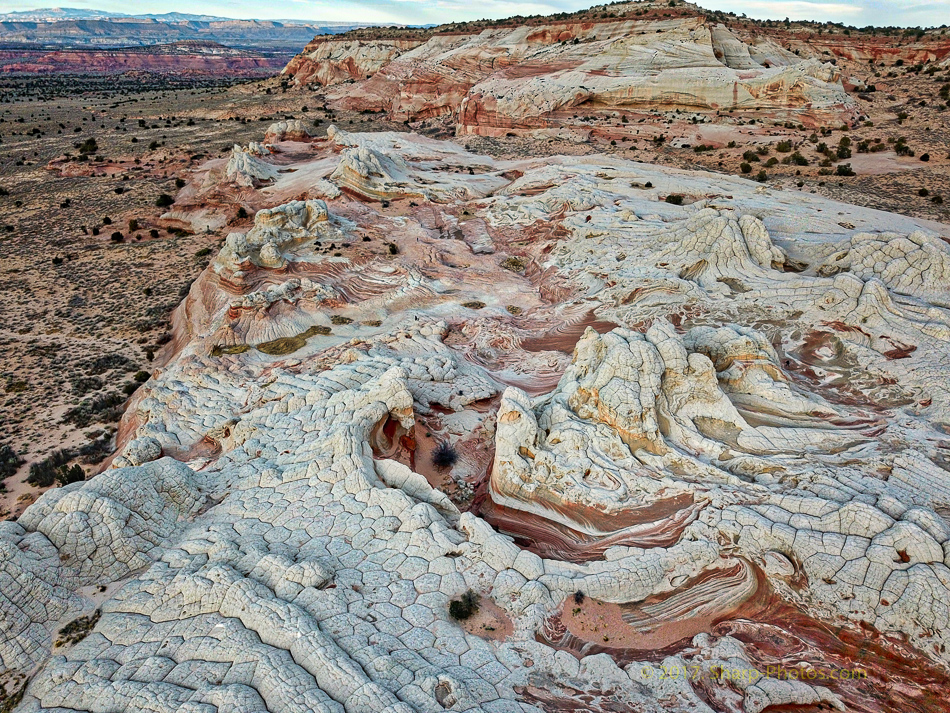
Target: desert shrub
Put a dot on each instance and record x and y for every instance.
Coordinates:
(179, 183)
(674, 199)
(41, 476)
(164, 200)
(579, 597)
(203, 252)
(117, 237)
(844, 169)
(923, 193)
(76, 630)
(784, 146)
(82, 385)
(798, 159)
(771, 162)
(761, 176)
(141, 376)
(464, 607)
(242, 213)
(44, 473)
(9, 461)
(750, 156)
(88, 146)
(745, 167)
(937, 200)
(102, 408)
(393, 249)
(133, 225)
(70, 474)
(444, 456)
(107, 362)
(925, 157)
(153, 233)
(96, 450)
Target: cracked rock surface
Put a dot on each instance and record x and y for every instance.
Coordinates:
(482, 435)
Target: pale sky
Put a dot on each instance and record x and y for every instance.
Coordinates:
(907, 13)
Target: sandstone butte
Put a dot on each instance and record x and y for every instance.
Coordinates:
(669, 457)
(494, 80)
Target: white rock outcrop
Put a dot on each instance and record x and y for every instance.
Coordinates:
(700, 428)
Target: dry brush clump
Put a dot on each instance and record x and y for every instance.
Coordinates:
(465, 607)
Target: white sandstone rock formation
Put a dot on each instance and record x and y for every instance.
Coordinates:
(246, 170)
(289, 130)
(701, 429)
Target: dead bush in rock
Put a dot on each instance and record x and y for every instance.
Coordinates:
(465, 607)
(444, 456)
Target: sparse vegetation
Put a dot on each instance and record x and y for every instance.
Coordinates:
(9, 461)
(444, 456)
(513, 263)
(76, 630)
(55, 468)
(465, 607)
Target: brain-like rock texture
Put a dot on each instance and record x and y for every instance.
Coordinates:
(524, 437)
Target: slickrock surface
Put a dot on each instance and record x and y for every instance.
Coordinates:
(664, 449)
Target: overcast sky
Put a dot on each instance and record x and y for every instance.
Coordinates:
(854, 12)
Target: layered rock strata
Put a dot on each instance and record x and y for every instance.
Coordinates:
(530, 78)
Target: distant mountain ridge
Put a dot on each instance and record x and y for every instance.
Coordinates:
(59, 14)
(95, 29)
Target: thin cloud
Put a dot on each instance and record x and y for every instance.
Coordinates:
(852, 12)
(798, 9)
